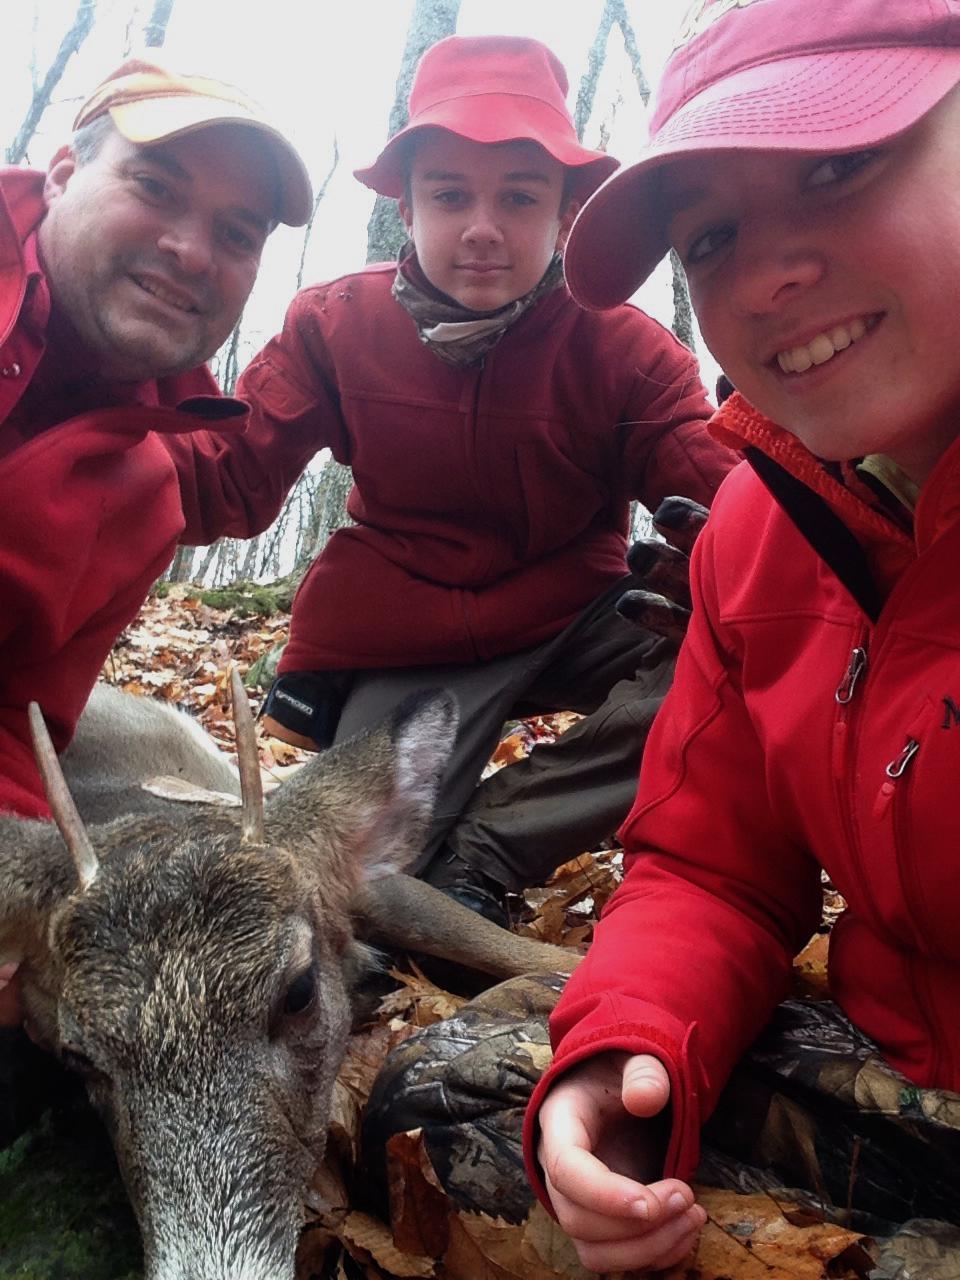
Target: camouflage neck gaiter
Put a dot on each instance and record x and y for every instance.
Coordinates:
(455, 334)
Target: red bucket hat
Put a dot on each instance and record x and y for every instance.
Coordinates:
(490, 89)
(769, 75)
(148, 103)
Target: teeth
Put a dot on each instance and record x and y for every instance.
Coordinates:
(822, 348)
(158, 291)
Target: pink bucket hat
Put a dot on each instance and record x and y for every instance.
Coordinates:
(491, 89)
(148, 103)
(773, 75)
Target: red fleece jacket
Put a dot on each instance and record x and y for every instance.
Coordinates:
(757, 774)
(98, 484)
(491, 502)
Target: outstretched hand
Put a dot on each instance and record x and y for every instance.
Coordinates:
(601, 1141)
(662, 604)
(11, 1011)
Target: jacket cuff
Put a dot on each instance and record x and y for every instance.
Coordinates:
(612, 1024)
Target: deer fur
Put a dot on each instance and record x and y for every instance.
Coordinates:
(201, 983)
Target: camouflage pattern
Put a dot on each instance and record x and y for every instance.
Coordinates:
(812, 1113)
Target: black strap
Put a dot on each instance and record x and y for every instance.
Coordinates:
(823, 529)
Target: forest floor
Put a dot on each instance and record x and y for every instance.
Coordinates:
(63, 1214)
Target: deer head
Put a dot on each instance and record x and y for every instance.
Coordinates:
(195, 968)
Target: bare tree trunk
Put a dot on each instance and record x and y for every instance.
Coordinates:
(71, 42)
(229, 370)
(155, 30)
(182, 565)
(430, 21)
(595, 60)
(308, 230)
(208, 558)
(682, 310)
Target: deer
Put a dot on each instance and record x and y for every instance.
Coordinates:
(195, 962)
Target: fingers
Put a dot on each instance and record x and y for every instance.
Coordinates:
(667, 1244)
(646, 1086)
(680, 520)
(662, 568)
(656, 613)
(11, 1013)
(662, 1225)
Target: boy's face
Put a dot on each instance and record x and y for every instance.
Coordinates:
(485, 218)
(826, 286)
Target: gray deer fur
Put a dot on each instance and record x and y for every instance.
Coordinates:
(202, 986)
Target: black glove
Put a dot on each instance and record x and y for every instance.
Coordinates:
(662, 604)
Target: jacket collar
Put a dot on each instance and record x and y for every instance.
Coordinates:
(21, 210)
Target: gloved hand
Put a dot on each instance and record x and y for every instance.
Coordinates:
(662, 604)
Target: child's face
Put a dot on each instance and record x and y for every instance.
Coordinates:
(485, 218)
(827, 286)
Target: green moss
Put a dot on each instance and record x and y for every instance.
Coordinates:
(64, 1214)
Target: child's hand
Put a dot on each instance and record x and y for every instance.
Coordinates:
(11, 1011)
(593, 1154)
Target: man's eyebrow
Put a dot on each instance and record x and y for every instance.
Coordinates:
(165, 161)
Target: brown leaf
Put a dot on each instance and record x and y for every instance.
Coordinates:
(419, 1209)
(748, 1238)
(810, 969)
(365, 1234)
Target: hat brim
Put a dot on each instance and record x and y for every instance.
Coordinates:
(491, 118)
(817, 103)
(156, 119)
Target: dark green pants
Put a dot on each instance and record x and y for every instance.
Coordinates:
(566, 797)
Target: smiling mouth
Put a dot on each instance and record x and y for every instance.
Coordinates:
(822, 348)
(162, 294)
(482, 268)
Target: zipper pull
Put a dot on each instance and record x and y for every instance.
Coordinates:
(896, 768)
(855, 669)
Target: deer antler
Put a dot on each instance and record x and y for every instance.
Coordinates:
(251, 787)
(64, 811)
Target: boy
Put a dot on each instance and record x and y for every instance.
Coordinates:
(803, 163)
(496, 433)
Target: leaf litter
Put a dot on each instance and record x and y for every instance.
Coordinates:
(179, 649)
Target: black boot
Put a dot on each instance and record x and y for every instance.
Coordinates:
(468, 886)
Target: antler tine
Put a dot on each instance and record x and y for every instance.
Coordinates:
(251, 787)
(61, 801)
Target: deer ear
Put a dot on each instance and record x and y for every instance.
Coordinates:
(372, 796)
(37, 876)
(422, 732)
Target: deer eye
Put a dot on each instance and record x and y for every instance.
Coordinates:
(74, 1060)
(301, 992)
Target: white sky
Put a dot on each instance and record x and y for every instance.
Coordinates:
(324, 68)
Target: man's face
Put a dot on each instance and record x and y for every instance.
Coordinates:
(485, 218)
(151, 251)
(826, 286)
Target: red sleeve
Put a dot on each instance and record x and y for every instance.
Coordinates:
(694, 950)
(233, 482)
(666, 447)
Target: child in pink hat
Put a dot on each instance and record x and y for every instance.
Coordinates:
(496, 432)
(803, 161)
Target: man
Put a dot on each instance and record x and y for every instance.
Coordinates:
(124, 268)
